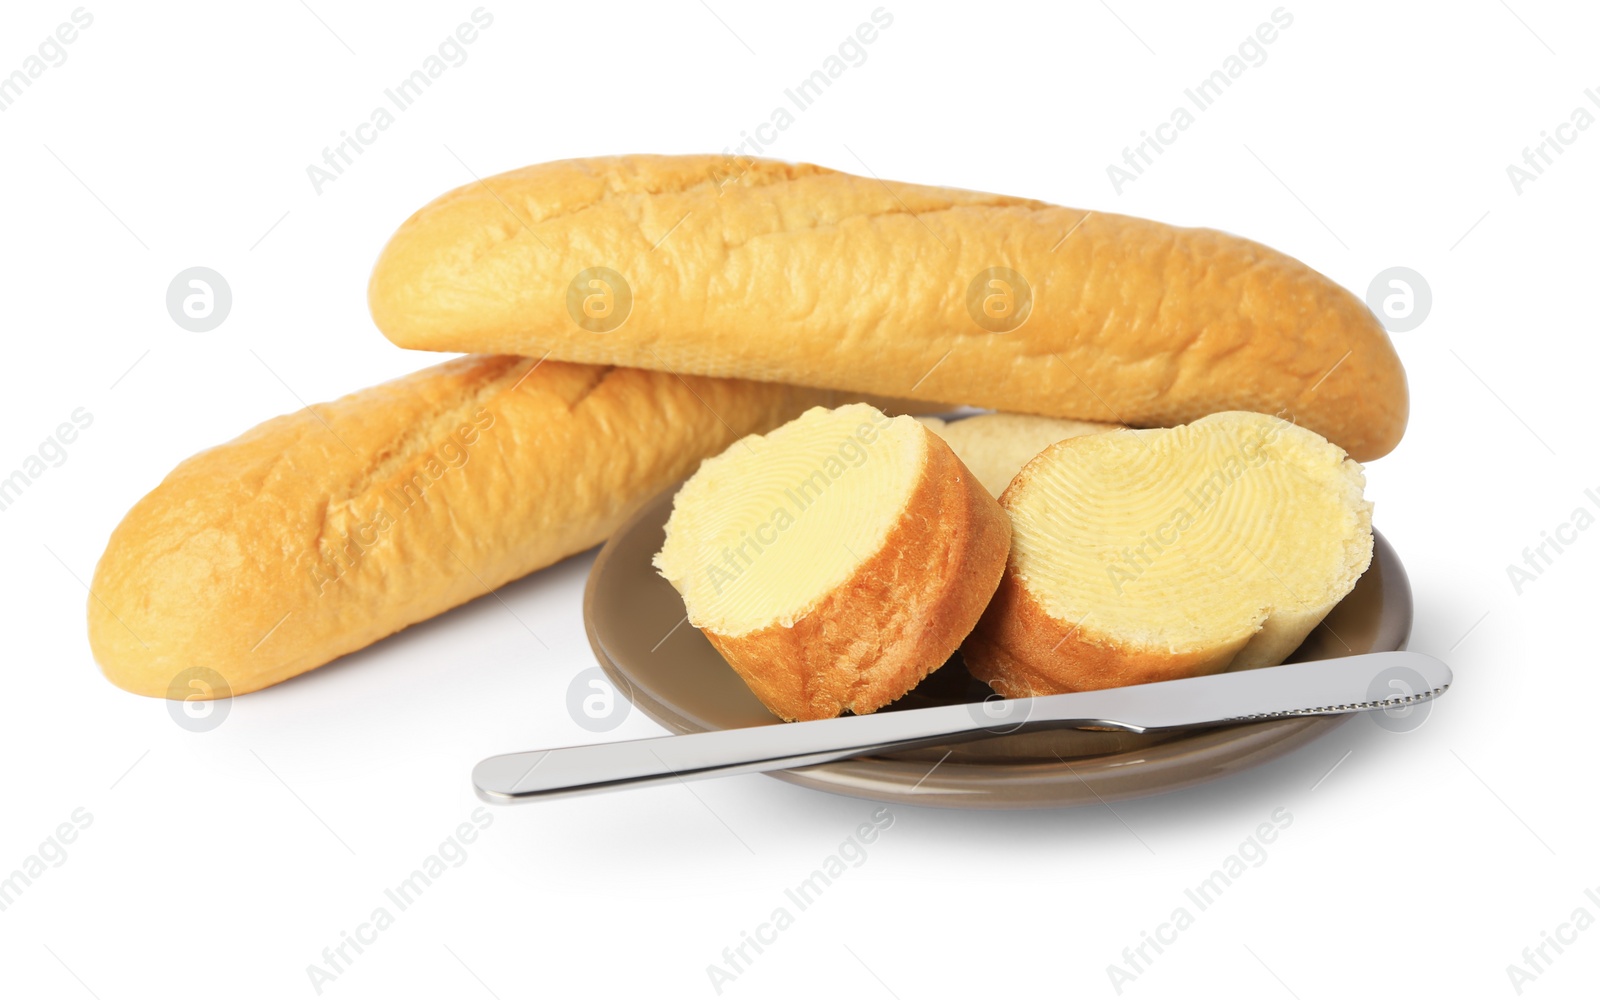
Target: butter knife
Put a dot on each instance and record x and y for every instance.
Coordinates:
(1364, 683)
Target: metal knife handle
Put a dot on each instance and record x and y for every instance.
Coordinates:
(534, 774)
(1325, 687)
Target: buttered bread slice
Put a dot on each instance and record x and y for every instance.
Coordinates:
(1149, 555)
(836, 561)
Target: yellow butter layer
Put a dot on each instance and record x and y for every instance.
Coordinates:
(1182, 537)
(776, 522)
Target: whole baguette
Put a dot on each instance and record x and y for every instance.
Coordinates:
(320, 532)
(795, 273)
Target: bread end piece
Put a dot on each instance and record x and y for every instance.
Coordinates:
(995, 446)
(315, 534)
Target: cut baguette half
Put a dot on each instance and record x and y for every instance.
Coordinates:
(1150, 555)
(995, 446)
(837, 561)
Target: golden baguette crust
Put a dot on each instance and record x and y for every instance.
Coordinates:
(908, 606)
(792, 272)
(320, 532)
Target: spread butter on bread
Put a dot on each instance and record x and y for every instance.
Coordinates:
(1155, 554)
(836, 561)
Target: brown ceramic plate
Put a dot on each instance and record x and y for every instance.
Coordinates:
(636, 626)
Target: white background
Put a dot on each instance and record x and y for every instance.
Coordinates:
(223, 863)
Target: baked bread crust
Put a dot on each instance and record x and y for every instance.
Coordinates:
(320, 532)
(1020, 651)
(898, 618)
(795, 273)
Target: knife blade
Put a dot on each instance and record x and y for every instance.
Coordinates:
(1368, 682)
